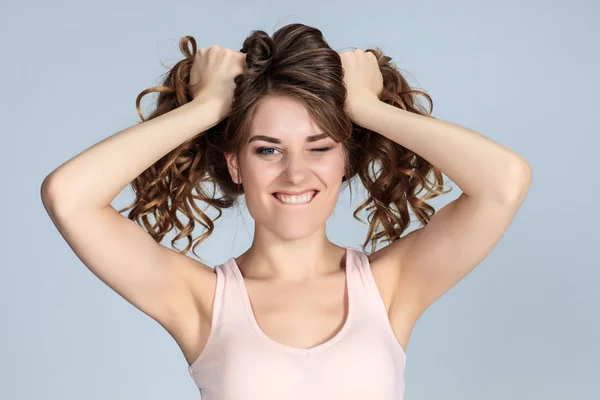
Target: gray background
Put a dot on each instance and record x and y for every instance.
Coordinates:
(523, 325)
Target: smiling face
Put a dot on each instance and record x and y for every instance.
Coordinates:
(287, 152)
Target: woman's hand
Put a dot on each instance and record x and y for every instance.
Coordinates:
(212, 74)
(363, 80)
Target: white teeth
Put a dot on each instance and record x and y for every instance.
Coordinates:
(305, 198)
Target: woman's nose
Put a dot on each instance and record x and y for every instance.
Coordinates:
(296, 166)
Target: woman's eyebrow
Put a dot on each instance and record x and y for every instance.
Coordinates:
(270, 139)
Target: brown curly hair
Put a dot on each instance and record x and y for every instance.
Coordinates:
(295, 61)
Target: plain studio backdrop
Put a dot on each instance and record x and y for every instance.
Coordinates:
(523, 325)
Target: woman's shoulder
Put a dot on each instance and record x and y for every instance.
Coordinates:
(202, 281)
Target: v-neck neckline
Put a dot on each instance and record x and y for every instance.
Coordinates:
(299, 350)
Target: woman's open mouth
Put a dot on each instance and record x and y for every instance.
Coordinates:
(305, 198)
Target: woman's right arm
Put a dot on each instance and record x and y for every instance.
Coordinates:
(173, 289)
(93, 178)
(150, 276)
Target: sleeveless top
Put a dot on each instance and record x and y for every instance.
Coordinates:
(240, 362)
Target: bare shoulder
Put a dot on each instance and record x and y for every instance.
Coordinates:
(190, 323)
(386, 265)
(386, 273)
(201, 280)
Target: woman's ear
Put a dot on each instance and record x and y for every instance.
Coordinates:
(233, 167)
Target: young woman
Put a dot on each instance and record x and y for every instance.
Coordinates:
(287, 123)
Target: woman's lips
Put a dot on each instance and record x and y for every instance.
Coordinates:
(316, 192)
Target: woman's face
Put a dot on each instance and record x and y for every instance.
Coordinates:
(288, 152)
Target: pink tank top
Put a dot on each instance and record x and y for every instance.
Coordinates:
(240, 362)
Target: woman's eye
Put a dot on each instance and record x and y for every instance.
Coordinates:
(262, 149)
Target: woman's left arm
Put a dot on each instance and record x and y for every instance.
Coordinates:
(494, 181)
(482, 168)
